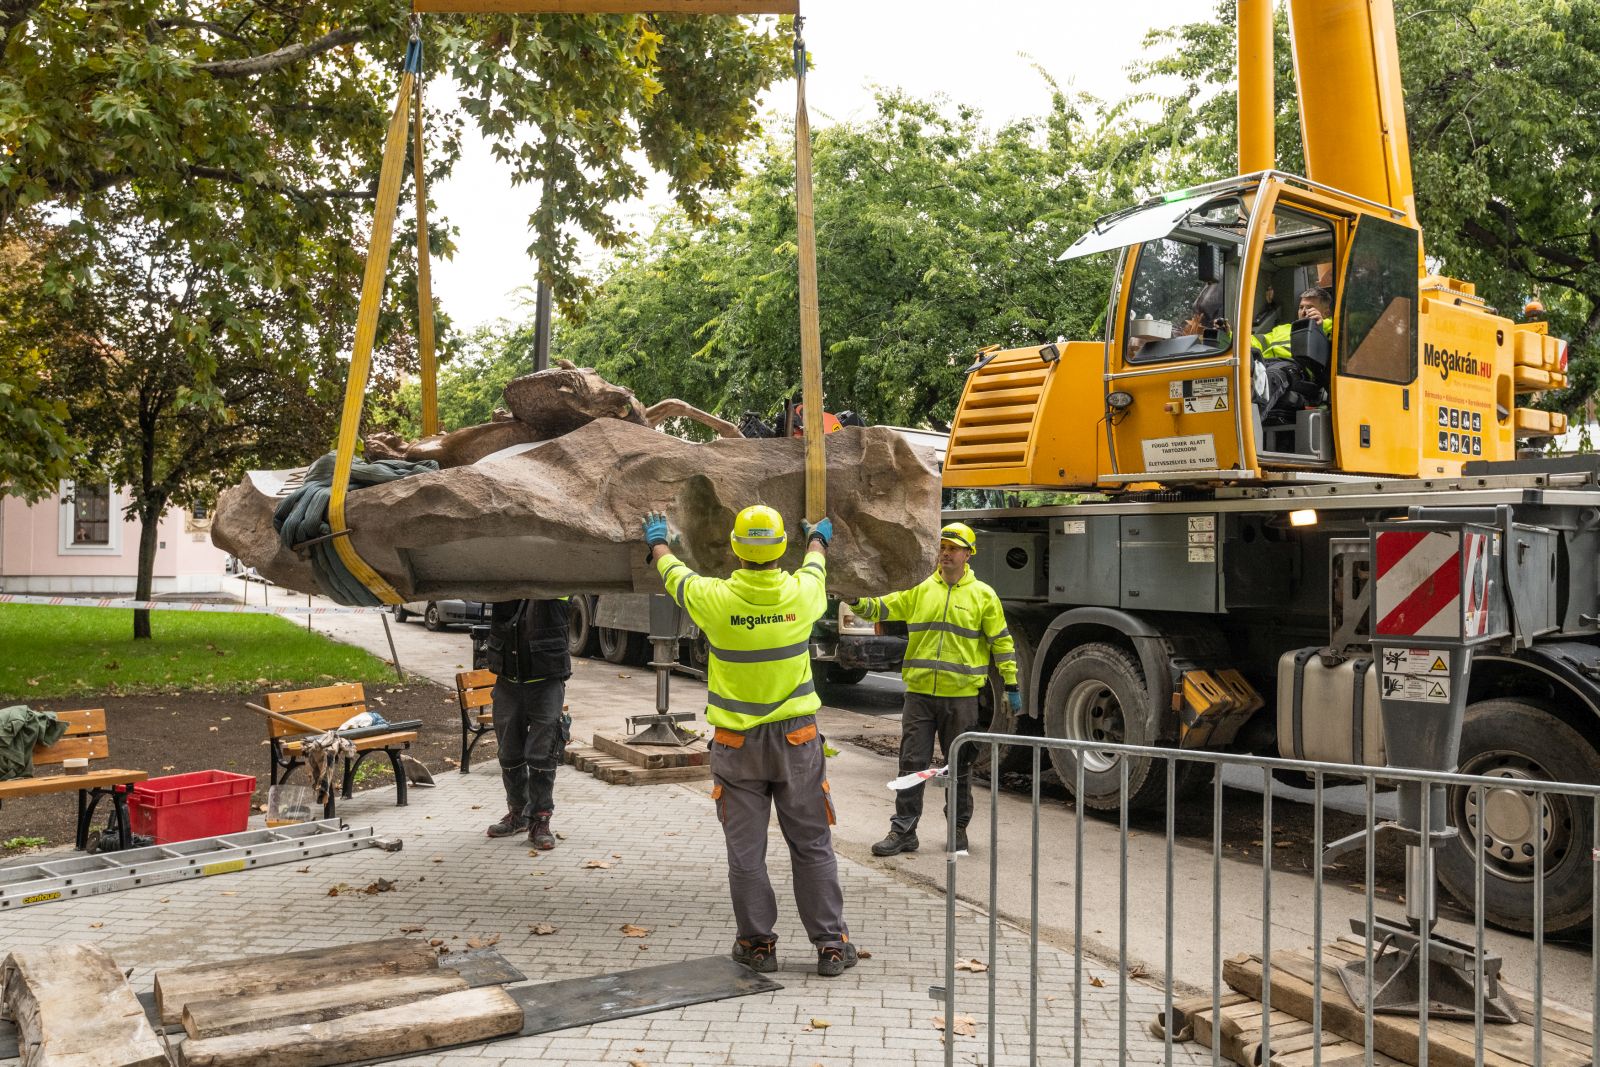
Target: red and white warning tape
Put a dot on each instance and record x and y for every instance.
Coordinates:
(174, 605)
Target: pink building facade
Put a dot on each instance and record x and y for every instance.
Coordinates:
(77, 543)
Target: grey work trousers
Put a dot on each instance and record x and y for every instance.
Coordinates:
(527, 725)
(922, 718)
(780, 765)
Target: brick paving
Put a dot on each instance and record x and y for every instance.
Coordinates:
(666, 872)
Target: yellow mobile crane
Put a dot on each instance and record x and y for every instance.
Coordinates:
(1416, 377)
(1213, 588)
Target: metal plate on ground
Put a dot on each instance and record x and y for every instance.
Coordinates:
(582, 1001)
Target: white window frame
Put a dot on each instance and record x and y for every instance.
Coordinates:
(113, 545)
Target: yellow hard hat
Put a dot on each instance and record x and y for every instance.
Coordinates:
(758, 534)
(959, 533)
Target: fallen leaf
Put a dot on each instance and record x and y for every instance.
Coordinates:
(96, 926)
(438, 859)
(382, 885)
(225, 718)
(1097, 983)
(965, 1025)
(560, 836)
(637, 1063)
(435, 942)
(624, 676)
(863, 954)
(229, 893)
(544, 930)
(1137, 971)
(335, 890)
(630, 930)
(976, 966)
(302, 870)
(820, 1024)
(259, 807)
(600, 865)
(483, 942)
(670, 833)
(411, 928)
(171, 766)
(213, 729)
(1283, 844)
(616, 855)
(165, 899)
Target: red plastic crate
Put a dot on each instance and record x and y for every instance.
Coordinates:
(182, 807)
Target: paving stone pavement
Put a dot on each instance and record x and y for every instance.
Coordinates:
(666, 872)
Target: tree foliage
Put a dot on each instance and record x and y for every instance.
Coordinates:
(35, 451)
(934, 237)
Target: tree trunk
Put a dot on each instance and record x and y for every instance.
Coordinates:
(149, 529)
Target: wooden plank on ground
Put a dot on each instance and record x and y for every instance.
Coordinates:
(74, 1008)
(282, 973)
(694, 754)
(437, 1022)
(630, 775)
(233, 1015)
(1450, 1042)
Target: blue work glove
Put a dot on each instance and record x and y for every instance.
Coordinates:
(1014, 698)
(822, 531)
(655, 529)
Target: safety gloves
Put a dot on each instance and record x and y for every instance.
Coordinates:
(822, 531)
(1014, 698)
(655, 529)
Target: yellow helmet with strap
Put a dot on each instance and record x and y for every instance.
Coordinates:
(758, 534)
(959, 533)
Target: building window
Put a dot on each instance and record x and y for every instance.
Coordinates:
(90, 522)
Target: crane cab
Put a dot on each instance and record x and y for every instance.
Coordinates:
(1209, 374)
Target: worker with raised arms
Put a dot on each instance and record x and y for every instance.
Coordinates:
(956, 629)
(766, 751)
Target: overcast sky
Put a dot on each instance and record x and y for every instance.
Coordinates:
(980, 54)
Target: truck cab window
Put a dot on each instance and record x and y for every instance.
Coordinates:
(1178, 304)
(1379, 311)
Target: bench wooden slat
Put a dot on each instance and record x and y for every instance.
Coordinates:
(61, 783)
(310, 699)
(324, 719)
(362, 743)
(475, 698)
(92, 747)
(88, 721)
(478, 679)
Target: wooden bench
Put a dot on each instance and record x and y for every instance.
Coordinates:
(86, 738)
(327, 708)
(474, 695)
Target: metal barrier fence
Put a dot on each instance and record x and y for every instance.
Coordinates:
(1134, 1035)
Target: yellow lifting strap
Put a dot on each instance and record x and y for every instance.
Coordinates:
(430, 362)
(810, 331)
(355, 390)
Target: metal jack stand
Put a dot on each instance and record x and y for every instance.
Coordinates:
(661, 728)
(1439, 591)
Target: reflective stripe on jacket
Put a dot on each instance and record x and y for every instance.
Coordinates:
(955, 633)
(757, 625)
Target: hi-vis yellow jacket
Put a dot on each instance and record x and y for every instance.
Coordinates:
(1274, 344)
(758, 626)
(955, 633)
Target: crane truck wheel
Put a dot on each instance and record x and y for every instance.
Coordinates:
(622, 647)
(1097, 693)
(1519, 741)
(431, 618)
(582, 639)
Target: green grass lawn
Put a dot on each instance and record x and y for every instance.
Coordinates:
(57, 652)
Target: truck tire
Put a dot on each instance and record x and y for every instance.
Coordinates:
(837, 675)
(431, 618)
(1097, 693)
(582, 639)
(622, 647)
(1518, 739)
(400, 613)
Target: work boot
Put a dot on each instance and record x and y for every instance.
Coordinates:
(539, 835)
(832, 962)
(961, 839)
(510, 824)
(757, 953)
(897, 843)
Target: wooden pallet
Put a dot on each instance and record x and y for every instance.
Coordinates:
(695, 754)
(614, 771)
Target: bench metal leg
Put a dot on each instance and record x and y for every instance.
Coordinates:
(85, 811)
(400, 782)
(475, 733)
(119, 810)
(347, 785)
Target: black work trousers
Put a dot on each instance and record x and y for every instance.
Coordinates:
(527, 725)
(922, 718)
